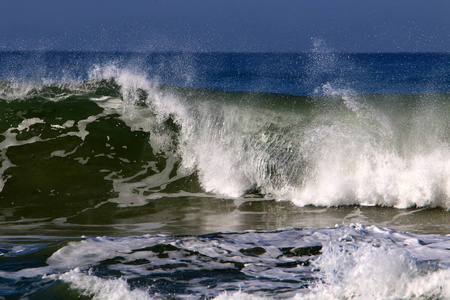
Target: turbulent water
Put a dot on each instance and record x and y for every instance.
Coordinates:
(227, 176)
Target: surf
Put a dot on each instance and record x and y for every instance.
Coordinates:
(182, 175)
(336, 148)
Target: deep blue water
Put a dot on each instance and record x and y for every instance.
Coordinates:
(291, 73)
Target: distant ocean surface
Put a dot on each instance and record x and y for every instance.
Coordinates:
(313, 175)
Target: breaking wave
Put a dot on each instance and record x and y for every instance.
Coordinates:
(336, 148)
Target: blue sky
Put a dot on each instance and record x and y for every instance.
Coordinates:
(226, 25)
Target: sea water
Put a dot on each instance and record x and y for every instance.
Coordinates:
(315, 175)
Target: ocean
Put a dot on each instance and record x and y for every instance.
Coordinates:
(316, 175)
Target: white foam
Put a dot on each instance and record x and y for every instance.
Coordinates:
(356, 262)
(134, 193)
(27, 123)
(17, 89)
(87, 252)
(390, 286)
(63, 153)
(381, 269)
(11, 140)
(5, 164)
(99, 288)
(131, 82)
(67, 124)
(238, 296)
(378, 271)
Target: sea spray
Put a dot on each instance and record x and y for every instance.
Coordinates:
(343, 149)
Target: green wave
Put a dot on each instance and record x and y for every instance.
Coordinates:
(72, 149)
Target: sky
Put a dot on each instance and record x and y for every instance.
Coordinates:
(226, 25)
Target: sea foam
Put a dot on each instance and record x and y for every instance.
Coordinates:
(345, 262)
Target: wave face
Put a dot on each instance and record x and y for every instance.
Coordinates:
(334, 149)
(198, 171)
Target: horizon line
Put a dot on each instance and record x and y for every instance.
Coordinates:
(212, 52)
